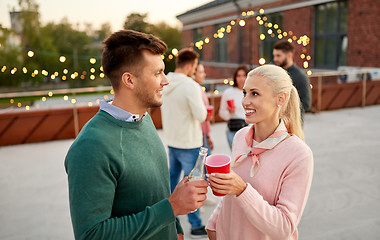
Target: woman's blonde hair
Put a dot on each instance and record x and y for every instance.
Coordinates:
(279, 80)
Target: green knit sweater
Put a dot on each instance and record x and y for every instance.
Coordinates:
(119, 181)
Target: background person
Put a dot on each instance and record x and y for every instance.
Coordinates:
(199, 77)
(272, 168)
(283, 53)
(234, 116)
(182, 112)
(117, 166)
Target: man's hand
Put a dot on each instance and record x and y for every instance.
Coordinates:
(188, 196)
(180, 236)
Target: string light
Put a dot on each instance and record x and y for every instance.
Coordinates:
(30, 54)
(262, 61)
(175, 51)
(276, 31)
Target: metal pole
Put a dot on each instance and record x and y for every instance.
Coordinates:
(319, 100)
(364, 90)
(76, 119)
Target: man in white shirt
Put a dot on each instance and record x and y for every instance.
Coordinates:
(182, 112)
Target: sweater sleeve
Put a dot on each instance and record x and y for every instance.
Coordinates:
(92, 186)
(195, 102)
(178, 226)
(280, 220)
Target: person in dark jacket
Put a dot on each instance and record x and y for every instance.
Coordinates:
(283, 53)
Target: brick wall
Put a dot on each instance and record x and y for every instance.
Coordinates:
(363, 33)
(363, 36)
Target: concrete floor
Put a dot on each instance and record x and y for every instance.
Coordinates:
(344, 201)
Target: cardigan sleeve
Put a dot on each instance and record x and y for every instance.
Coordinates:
(280, 220)
(211, 224)
(195, 101)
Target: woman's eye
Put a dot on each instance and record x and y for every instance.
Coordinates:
(255, 93)
(244, 93)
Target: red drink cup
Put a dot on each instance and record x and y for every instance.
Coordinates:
(210, 109)
(231, 103)
(218, 163)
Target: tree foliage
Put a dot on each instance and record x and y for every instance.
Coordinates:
(52, 40)
(170, 35)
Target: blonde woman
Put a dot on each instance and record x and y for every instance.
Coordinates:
(272, 167)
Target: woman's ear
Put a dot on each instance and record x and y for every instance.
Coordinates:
(127, 80)
(282, 98)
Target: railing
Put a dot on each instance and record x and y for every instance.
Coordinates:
(18, 125)
(320, 76)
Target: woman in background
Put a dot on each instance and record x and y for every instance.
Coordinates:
(272, 167)
(231, 109)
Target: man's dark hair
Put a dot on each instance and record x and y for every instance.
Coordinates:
(285, 46)
(123, 52)
(185, 56)
(241, 67)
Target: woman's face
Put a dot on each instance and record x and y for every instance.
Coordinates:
(240, 78)
(200, 74)
(259, 102)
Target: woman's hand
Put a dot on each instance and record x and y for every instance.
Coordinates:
(210, 143)
(231, 110)
(211, 234)
(227, 183)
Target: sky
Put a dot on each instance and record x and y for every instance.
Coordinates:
(98, 12)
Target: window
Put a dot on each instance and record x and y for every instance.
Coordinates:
(221, 45)
(330, 34)
(266, 44)
(197, 35)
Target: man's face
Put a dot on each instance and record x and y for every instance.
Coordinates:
(150, 81)
(280, 58)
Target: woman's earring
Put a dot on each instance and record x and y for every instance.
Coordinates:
(278, 105)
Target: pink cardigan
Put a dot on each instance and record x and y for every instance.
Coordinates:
(272, 204)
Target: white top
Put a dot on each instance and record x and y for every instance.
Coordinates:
(237, 95)
(182, 112)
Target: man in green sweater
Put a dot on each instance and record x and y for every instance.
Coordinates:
(117, 167)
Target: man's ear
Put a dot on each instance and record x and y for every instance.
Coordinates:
(128, 80)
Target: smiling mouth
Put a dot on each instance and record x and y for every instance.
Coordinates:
(249, 111)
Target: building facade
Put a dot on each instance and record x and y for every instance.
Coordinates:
(327, 34)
